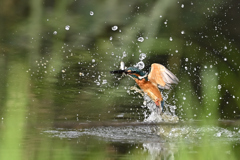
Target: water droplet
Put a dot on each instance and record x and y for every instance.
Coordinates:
(114, 28)
(93, 60)
(140, 65)
(122, 65)
(104, 81)
(184, 98)
(225, 59)
(142, 56)
(67, 27)
(182, 6)
(160, 16)
(110, 38)
(81, 74)
(91, 13)
(186, 59)
(55, 32)
(140, 39)
(124, 54)
(219, 86)
(182, 32)
(171, 39)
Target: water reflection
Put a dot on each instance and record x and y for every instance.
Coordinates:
(160, 150)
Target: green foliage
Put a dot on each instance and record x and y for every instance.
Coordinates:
(15, 110)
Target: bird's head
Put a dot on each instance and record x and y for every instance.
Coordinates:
(134, 72)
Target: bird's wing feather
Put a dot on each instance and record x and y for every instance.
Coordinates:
(159, 75)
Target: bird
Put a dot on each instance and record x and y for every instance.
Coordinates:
(159, 77)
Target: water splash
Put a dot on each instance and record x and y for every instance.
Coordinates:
(153, 113)
(150, 133)
(140, 65)
(142, 56)
(157, 140)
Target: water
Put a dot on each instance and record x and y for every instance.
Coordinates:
(155, 136)
(154, 139)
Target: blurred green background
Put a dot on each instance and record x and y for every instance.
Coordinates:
(55, 58)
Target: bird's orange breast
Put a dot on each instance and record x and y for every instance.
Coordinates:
(149, 88)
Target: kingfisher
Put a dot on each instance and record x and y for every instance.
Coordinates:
(159, 77)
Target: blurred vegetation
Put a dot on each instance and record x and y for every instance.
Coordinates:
(70, 52)
(55, 58)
